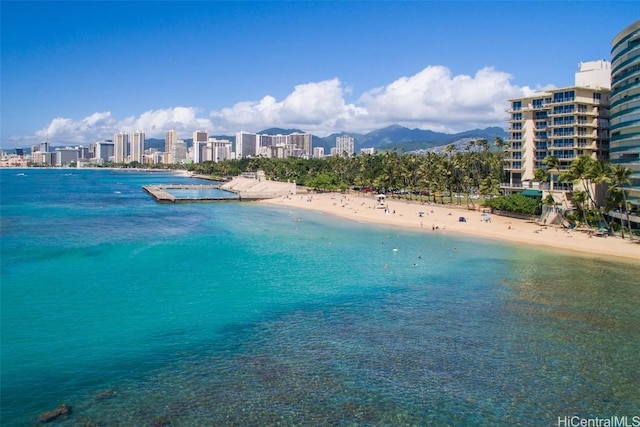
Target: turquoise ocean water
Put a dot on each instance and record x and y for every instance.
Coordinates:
(136, 313)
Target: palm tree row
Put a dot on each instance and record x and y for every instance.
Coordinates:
(588, 173)
(475, 170)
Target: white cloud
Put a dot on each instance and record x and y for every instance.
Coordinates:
(103, 126)
(156, 122)
(430, 99)
(436, 100)
(78, 131)
(312, 107)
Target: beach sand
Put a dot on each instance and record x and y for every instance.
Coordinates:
(362, 207)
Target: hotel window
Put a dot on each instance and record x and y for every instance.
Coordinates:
(563, 109)
(538, 103)
(563, 120)
(566, 96)
(516, 105)
(563, 132)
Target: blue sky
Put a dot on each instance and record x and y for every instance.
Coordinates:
(81, 71)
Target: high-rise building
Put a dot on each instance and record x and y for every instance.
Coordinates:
(170, 138)
(220, 149)
(624, 146)
(566, 123)
(301, 143)
(345, 145)
(200, 136)
(104, 151)
(83, 152)
(273, 146)
(137, 146)
(178, 152)
(121, 147)
(200, 153)
(65, 156)
(318, 152)
(246, 145)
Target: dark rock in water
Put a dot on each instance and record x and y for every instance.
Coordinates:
(161, 422)
(61, 410)
(105, 394)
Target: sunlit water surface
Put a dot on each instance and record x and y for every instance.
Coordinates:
(137, 313)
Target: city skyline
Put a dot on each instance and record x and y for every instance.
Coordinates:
(78, 72)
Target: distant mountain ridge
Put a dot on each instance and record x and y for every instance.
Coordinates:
(387, 138)
(400, 137)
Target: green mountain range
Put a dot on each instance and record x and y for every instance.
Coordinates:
(388, 138)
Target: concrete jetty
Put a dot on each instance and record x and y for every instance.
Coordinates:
(162, 196)
(246, 189)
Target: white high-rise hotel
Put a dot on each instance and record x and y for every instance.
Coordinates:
(137, 146)
(200, 139)
(344, 145)
(170, 139)
(120, 147)
(566, 123)
(128, 148)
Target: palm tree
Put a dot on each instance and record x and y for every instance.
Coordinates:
(621, 176)
(450, 148)
(586, 171)
(483, 144)
(540, 175)
(580, 199)
(499, 143)
(490, 186)
(552, 163)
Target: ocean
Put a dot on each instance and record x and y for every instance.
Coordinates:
(136, 313)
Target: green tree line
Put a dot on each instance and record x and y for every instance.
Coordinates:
(472, 171)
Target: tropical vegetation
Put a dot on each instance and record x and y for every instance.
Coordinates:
(588, 174)
(476, 170)
(448, 176)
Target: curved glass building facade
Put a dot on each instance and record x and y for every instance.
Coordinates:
(624, 144)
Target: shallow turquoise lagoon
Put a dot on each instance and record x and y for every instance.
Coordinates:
(137, 313)
(201, 193)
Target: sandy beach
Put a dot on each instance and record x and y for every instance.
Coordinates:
(437, 218)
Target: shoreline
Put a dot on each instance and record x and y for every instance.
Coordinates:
(438, 218)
